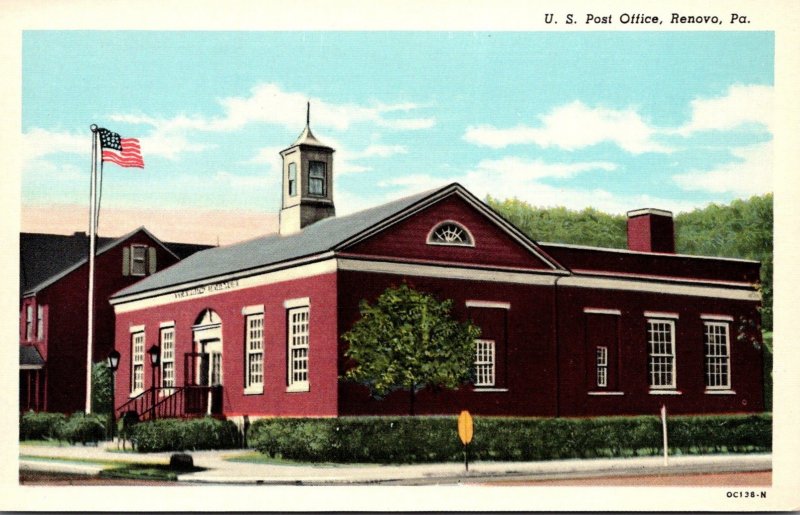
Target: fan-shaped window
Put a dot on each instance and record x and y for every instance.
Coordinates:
(450, 233)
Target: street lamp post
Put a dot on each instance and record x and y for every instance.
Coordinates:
(155, 355)
(113, 364)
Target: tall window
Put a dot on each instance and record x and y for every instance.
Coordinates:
(602, 366)
(254, 343)
(292, 179)
(484, 362)
(138, 260)
(137, 362)
(661, 340)
(29, 321)
(39, 322)
(718, 358)
(316, 178)
(168, 357)
(298, 348)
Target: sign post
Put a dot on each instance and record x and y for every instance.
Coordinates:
(465, 433)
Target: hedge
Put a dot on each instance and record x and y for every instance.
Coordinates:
(40, 426)
(78, 427)
(431, 439)
(181, 435)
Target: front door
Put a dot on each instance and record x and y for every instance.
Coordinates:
(208, 351)
(211, 366)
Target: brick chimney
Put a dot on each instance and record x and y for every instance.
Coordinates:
(651, 230)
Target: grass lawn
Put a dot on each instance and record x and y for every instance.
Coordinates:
(258, 458)
(45, 443)
(123, 469)
(146, 471)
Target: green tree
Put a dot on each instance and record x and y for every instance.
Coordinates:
(407, 340)
(102, 401)
(741, 229)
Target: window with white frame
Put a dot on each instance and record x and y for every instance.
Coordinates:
(602, 366)
(29, 321)
(39, 322)
(292, 186)
(661, 363)
(168, 357)
(137, 362)
(298, 338)
(484, 362)
(316, 178)
(254, 343)
(450, 233)
(138, 260)
(717, 355)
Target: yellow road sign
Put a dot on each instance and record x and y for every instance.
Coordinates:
(465, 427)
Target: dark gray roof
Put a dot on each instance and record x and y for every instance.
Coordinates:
(29, 356)
(45, 258)
(42, 256)
(316, 238)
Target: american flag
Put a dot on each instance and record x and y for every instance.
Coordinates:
(122, 151)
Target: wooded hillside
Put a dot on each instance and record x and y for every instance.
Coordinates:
(741, 229)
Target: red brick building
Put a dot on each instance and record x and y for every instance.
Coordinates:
(254, 329)
(53, 307)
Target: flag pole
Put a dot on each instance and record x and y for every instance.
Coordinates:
(92, 227)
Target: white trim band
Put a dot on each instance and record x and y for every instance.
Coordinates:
(488, 304)
(661, 314)
(253, 310)
(299, 302)
(649, 211)
(602, 393)
(544, 277)
(136, 329)
(172, 296)
(602, 311)
(720, 392)
(480, 389)
(666, 392)
(748, 294)
(164, 325)
(721, 318)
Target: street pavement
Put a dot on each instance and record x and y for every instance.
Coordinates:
(220, 470)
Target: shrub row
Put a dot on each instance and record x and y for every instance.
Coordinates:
(429, 439)
(180, 435)
(78, 427)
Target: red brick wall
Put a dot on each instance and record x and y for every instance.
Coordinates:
(529, 355)
(408, 238)
(320, 400)
(576, 364)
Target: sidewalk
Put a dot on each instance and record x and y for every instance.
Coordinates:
(221, 471)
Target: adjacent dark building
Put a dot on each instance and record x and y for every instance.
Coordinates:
(54, 309)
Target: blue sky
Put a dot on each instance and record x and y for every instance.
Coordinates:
(614, 120)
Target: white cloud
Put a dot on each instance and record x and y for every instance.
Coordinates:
(741, 105)
(574, 126)
(751, 174)
(268, 103)
(512, 177)
(38, 143)
(169, 146)
(382, 150)
(524, 169)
